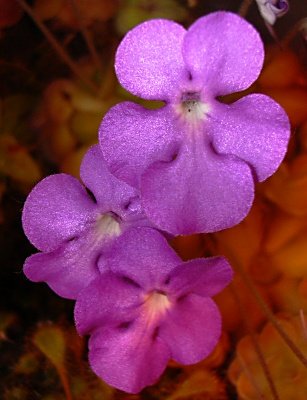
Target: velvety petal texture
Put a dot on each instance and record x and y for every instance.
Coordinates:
(108, 191)
(203, 276)
(257, 138)
(143, 256)
(128, 359)
(191, 329)
(199, 191)
(108, 300)
(133, 137)
(57, 209)
(195, 160)
(70, 267)
(151, 67)
(225, 51)
(76, 229)
(149, 308)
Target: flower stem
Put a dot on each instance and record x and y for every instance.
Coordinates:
(57, 47)
(244, 7)
(87, 37)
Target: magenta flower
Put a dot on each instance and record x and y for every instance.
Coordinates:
(195, 160)
(150, 307)
(74, 228)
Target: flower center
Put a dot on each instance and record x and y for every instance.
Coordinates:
(108, 225)
(191, 108)
(156, 303)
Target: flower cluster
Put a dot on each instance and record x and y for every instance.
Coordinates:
(185, 168)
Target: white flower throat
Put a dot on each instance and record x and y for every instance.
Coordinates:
(108, 225)
(156, 303)
(192, 109)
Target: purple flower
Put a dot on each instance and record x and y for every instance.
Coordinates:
(194, 160)
(75, 228)
(150, 307)
(272, 9)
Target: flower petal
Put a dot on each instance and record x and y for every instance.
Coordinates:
(149, 61)
(110, 193)
(143, 256)
(124, 350)
(199, 191)
(128, 359)
(132, 137)
(108, 301)
(57, 209)
(192, 329)
(225, 51)
(255, 129)
(204, 277)
(71, 267)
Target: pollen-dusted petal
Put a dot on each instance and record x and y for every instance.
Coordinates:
(255, 129)
(128, 358)
(197, 192)
(192, 329)
(108, 301)
(57, 209)
(143, 256)
(132, 137)
(204, 276)
(110, 193)
(224, 51)
(71, 267)
(149, 61)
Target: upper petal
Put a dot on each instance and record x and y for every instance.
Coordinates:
(57, 209)
(191, 329)
(225, 51)
(132, 137)
(143, 256)
(149, 62)
(255, 129)
(204, 277)
(199, 191)
(111, 193)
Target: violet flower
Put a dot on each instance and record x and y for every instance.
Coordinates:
(194, 160)
(272, 9)
(150, 307)
(75, 229)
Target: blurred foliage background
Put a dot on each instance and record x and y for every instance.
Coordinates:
(56, 83)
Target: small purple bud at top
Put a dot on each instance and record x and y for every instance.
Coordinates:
(272, 9)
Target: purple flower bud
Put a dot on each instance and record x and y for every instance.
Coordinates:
(272, 9)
